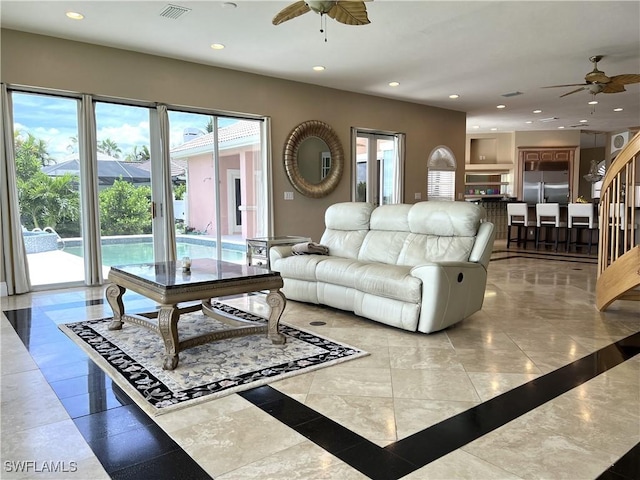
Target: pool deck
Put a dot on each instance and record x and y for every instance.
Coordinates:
(56, 266)
(59, 267)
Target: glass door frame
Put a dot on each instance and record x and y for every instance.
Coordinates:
(375, 178)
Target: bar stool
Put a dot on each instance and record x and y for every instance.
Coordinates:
(518, 216)
(581, 216)
(548, 217)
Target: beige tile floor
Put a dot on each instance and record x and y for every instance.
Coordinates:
(538, 315)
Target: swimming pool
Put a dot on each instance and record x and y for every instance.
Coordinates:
(142, 252)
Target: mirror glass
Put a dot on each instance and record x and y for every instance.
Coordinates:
(313, 159)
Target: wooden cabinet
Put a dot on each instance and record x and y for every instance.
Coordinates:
(547, 155)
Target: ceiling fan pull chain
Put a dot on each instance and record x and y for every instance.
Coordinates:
(323, 25)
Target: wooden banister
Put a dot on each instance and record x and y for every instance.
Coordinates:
(618, 249)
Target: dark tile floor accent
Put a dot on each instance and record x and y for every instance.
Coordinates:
(123, 437)
(411, 453)
(131, 446)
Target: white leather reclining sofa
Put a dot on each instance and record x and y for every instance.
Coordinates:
(419, 267)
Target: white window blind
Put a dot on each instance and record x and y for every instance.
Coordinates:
(441, 185)
(441, 174)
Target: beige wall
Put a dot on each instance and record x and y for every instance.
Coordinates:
(503, 148)
(48, 62)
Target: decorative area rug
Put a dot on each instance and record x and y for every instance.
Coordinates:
(133, 358)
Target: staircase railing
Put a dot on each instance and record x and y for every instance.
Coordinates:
(619, 248)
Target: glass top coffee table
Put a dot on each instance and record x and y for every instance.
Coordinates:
(167, 284)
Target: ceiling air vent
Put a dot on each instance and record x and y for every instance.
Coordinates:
(512, 94)
(174, 11)
(550, 119)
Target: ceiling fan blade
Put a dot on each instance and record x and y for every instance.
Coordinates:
(292, 11)
(567, 85)
(613, 87)
(349, 13)
(574, 91)
(626, 79)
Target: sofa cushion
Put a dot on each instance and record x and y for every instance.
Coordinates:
(301, 267)
(381, 246)
(390, 281)
(420, 249)
(391, 218)
(338, 271)
(347, 225)
(348, 216)
(446, 219)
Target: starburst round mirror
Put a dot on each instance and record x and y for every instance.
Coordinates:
(313, 159)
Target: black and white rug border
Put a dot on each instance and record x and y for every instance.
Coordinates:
(156, 398)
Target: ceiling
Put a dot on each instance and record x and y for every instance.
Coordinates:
(479, 50)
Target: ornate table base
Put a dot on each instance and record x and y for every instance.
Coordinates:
(169, 313)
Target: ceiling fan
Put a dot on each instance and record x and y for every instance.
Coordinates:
(347, 11)
(597, 82)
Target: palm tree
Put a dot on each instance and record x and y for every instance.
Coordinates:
(209, 127)
(44, 201)
(109, 147)
(73, 146)
(138, 155)
(33, 147)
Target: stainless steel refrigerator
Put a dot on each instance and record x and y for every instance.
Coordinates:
(545, 186)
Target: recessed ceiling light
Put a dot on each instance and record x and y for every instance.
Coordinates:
(537, 111)
(217, 46)
(584, 121)
(501, 106)
(494, 129)
(560, 127)
(619, 109)
(529, 121)
(75, 15)
(593, 102)
(476, 126)
(318, 68)
(394, 84)
(454, 96)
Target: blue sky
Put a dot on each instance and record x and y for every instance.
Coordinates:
(54, 120)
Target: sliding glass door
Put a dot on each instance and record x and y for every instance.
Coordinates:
(220, 194)
(158, 181)
(47, 176)
(124, 184)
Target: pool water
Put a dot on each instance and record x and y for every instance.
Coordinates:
(142, 252)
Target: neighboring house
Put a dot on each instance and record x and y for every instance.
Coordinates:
(240, 156)
(109, 170)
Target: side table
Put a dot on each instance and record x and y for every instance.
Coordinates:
(258, 248)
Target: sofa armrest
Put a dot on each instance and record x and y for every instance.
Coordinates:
(451, 291)
(279, 251)
(427, 271)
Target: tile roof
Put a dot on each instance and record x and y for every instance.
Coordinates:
(235, 131)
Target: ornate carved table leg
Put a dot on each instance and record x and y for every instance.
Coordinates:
(168, 325)
(114, 298)
(277, 301)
